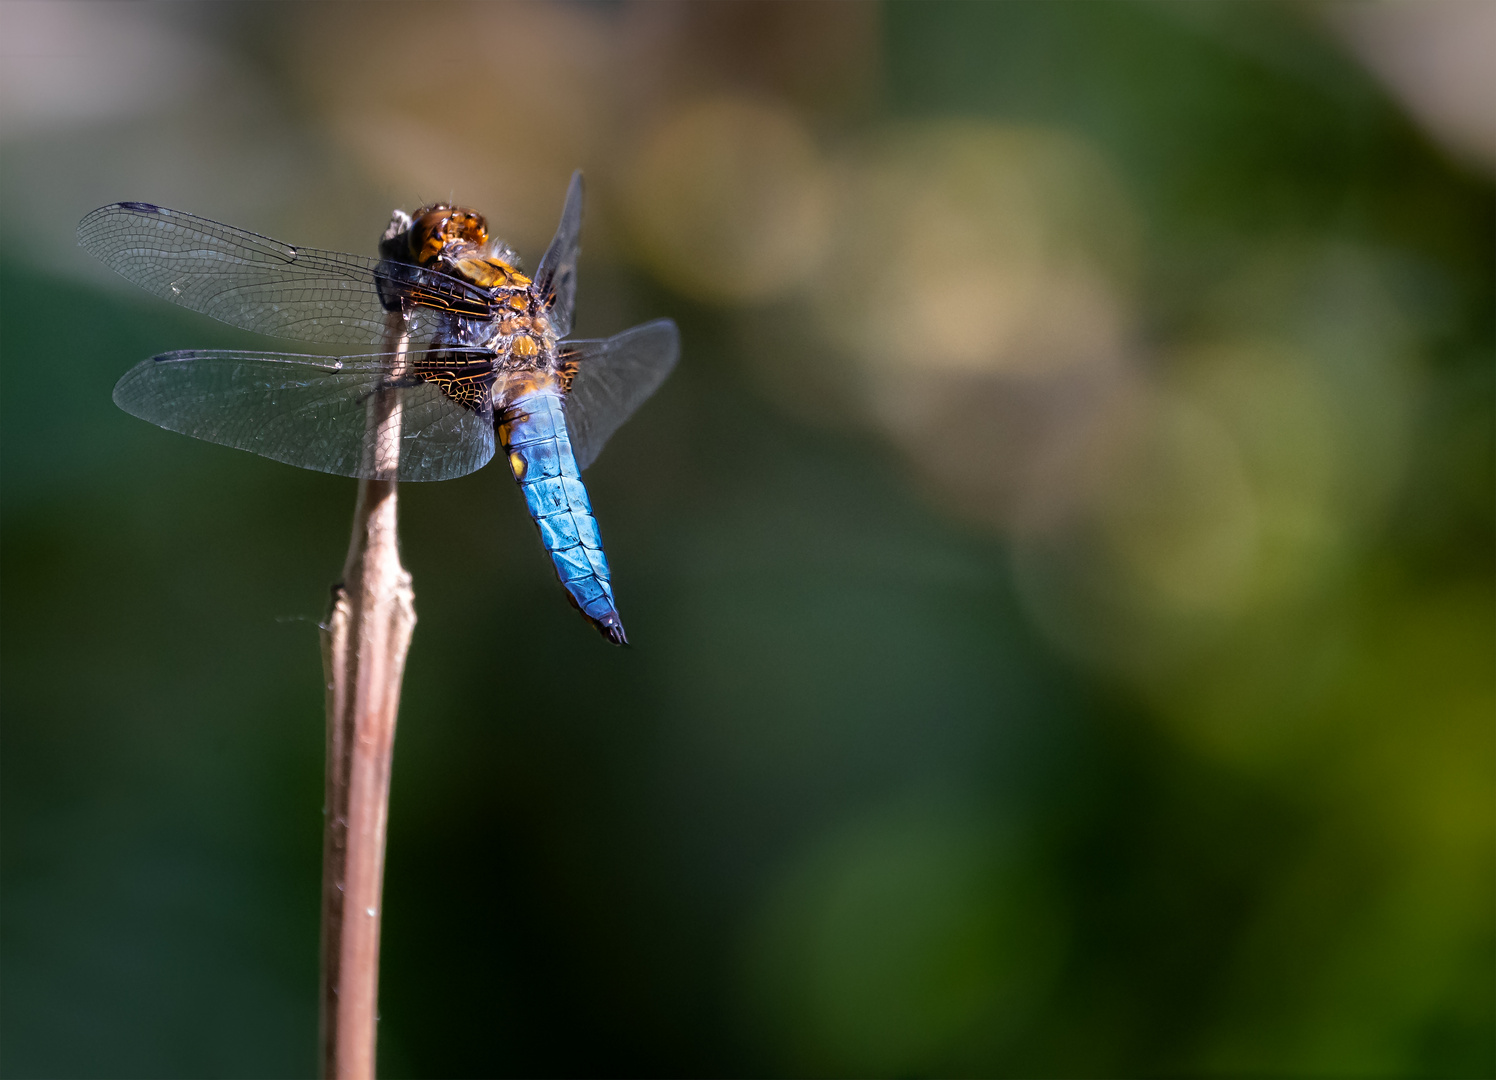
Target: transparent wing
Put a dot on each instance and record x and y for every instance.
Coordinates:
(314, 412)
(613, 378)
(255, 283)
(556, 277)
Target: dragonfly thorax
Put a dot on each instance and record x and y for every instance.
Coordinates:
(517, 336)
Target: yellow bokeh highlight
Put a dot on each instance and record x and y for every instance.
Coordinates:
(976, 247)
(728, 200)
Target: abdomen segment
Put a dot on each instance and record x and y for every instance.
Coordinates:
(533, 431)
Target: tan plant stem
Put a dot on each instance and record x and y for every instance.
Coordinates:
(364, 645)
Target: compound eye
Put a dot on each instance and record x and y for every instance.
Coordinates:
(427, 235)
(467, 225)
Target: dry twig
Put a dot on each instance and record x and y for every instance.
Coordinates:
(364, 645)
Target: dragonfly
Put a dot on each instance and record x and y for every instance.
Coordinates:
(454, 352)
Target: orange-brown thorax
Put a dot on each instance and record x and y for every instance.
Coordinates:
(454, 240)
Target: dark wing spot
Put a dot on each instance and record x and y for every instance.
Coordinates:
(143, 207)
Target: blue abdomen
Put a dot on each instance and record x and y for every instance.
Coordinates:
(533, 430)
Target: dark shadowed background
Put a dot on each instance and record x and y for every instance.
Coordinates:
(1060, 570)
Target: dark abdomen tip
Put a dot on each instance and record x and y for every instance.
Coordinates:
(611, 627)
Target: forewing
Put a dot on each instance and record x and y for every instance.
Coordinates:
(314, 412)
(256, 283)
(613, 378)
(556, 278)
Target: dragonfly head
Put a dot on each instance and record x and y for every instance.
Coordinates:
(432, 231)
(454, 240)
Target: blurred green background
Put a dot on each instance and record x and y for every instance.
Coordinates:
(1060, 569)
